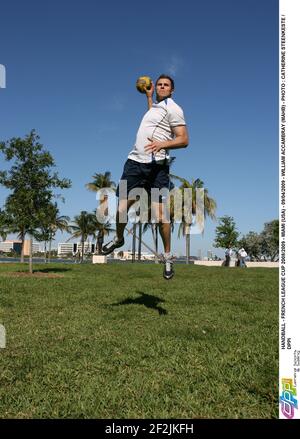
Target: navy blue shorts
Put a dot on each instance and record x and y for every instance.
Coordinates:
(145, 175)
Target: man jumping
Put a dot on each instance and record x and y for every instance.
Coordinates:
(162, 128)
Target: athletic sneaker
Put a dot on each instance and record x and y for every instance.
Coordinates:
(168, 268)
(112, 245)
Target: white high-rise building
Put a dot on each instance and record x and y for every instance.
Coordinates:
(65, 248)
(16, 245)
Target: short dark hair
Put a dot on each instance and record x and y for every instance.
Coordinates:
(166, 77)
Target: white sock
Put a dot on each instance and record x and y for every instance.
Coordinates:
(168, 255)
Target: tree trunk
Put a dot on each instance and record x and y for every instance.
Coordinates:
(154, 229)
(45, 252)
(82, 250)
(273, 256)
(133, 242)
(49, 254)
(99, 242)
(30, 256)
(187, 243)
(156, 240)
(140, 242)
(22, 246)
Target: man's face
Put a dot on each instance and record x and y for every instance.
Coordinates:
(163, 88)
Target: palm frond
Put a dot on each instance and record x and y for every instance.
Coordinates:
(182, 180)
(101, 181)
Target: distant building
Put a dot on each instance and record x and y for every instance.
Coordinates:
(127, 255)
(8, 246)
(65, 248)
(16, 246)
(36, 247)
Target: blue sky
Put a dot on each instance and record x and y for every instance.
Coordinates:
(71, 68)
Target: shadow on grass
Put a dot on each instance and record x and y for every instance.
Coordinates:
(52, 270)
(146, 300)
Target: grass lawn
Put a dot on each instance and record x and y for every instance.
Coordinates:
(118, 341)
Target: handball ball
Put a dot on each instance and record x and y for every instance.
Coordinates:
(143, 83)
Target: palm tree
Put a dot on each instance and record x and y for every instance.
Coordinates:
(155, 226)
(49, 222)
(42, 234)
(154, 231)
(137, 228)
(83, 226)
(209, 208)
(101, 181)
(58, 222)
(99, 231)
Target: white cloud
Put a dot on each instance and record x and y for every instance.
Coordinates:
(173, 65)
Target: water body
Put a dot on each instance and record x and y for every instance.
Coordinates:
(89, 261)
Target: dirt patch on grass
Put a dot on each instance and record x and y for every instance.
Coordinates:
(34, 274)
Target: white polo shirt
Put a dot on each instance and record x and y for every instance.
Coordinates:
(157, 124)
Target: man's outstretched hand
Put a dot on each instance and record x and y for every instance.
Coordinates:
(150, 92)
